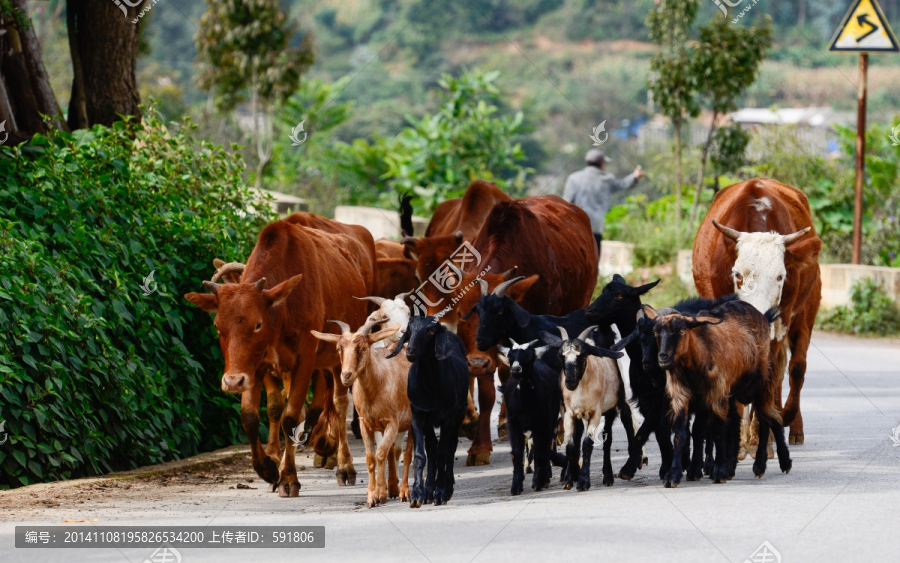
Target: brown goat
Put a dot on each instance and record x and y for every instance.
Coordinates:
(379, 394)
(711, 361)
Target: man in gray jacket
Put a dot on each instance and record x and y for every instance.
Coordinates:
(590, 189)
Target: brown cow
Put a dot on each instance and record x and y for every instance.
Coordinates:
(454, 221)
(545, 238)
(754, 241)
(294, 281)
(395, 269)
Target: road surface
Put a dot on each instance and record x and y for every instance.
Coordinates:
(841, 501)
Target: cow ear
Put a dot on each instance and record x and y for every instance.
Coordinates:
(410, 247)
(803, 253)
(443, 345)
(518, 290)
(282, 291)
(206, 301)
(326, 336)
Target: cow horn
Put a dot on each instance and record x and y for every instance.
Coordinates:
(727, 231)
(788, 239)
(212, 287)
(500, 290)
(345, 328)
(485, 289)
(458, 236)
(562, 333)
(374, 299)
(260, 284)
(586, 332)
(231, 267)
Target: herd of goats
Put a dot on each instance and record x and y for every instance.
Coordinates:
(410, 365)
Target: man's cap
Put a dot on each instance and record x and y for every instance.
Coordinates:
(596, 156)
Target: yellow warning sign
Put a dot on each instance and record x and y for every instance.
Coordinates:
(864, 28)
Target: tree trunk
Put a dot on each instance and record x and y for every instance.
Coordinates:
(37, 74)
(703, 156)
(677, 185)
(104, 44)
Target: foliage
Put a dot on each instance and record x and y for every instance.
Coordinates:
(436, 156)
(94, 375)
(245, 45)
(649, 226)
(728, 150)
(871, 312)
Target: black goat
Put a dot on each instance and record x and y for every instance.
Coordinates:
(592, 389)
(437, 389)
(501, 318)
(532, 396)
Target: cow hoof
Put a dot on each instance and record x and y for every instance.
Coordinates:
(346, 477)
(481, 458)
(289, 490)
(322, 462)
(795, 439)
(469, 429)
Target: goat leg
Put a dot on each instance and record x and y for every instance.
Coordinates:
(608, 420)
(543, 442)
(664, 440)
(573, 430)
(698, 434)
(679, 427)
(517, 445)
(417, 496)
(635, 449)
(371, 463)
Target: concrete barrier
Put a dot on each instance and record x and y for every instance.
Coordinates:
(685, 267)
(838, 279)
(616, 257)
(382, 223)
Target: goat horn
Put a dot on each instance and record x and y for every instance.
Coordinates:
(533, 342)
(562, 333)
(231, 267)
(403, 296)
(788, 239)
(345, 328)
(727, 231)
(500, 290)
(485, 289)
(374, 299)
(583, 336)
(513, 342)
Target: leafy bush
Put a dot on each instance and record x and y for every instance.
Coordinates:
(95, 376)
(871, 311)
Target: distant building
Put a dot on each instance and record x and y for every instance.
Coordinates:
(814, 126)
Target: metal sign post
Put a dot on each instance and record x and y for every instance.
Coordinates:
(863, 29)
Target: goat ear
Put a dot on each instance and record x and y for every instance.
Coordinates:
(618, 279)
(282, 291)
(207, 301)
(517, 291)
(640, 290)
(502, 357)
(621, 344)
(602, 352)
(522, 316)
(327, 337)
(649, 312)
(472, 310)
(384, 333)
(803, 253)
(705, 320)
(551, 339)
(403, 340)
(443, 345)
(540, 350)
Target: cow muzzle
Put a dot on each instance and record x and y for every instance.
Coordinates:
(479, 365)
(235, 382)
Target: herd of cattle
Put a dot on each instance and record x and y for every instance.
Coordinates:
(319, 303)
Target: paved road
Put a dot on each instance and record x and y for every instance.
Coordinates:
(840, 502)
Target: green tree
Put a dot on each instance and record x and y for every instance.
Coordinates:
(674, 86)
(437, 156)
(244, 48)
(725, 62)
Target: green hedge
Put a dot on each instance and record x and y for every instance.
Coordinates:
(95, 376)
